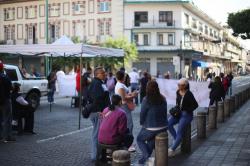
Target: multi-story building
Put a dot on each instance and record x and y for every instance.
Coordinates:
(24, 21)
(172, 36)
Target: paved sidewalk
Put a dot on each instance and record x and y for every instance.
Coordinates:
(228, 145)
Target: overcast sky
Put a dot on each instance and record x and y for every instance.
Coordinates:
(219, 9)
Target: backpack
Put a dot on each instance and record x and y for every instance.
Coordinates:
(2, 95)
(111, 84)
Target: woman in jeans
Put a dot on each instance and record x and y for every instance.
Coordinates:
(122, 90)
(187, 104)
(153, 119)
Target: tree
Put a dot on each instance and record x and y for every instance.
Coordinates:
(130, 50)
(240, 23)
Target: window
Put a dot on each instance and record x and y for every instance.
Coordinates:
(108, 27)
(166, 16)
(54, 10)
(9, 14)
(11, 73)
(104, 7)
(211, 32)
(141, 17)
(171, 39)
(206, 30)
(136, 39)
(101, 27)
(145, 40)
(194, 23)
(200, 27)
(160, 39)
(31, 12)
(187, 19)
(79, 8)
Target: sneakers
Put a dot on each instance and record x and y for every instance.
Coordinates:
(131, 148)
(9, 139)
(171, 152)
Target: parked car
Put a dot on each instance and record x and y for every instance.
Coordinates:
(31, 88)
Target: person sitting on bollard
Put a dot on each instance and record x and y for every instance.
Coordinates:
(22, 109)
(153, 119)
(217, 92)
(113, 128)
(187, 104)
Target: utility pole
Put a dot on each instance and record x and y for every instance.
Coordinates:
(47, 34)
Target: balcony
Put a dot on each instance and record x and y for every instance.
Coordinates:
(153, 24)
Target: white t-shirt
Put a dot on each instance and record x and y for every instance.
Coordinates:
(134, 77)
(120, 85)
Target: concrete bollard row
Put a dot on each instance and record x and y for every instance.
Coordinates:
(226, 108)
(232, 104)
(161, 149)
(186, 140)
(212, 117)
(220, 112)
(121, 158)
(201, 125)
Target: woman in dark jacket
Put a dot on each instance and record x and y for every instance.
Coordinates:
(143, 83)
(217, 92)
(153, 118)
(187, 104)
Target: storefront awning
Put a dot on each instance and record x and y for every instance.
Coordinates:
(199, 64)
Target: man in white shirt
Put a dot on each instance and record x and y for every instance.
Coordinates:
(134, 82)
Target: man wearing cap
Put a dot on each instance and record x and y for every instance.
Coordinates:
(5, 108)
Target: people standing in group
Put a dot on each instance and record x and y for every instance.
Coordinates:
(186, 103)
(217, 92)
(113, 128)
(22, 109)
(98, 96)
(134, 82)
(153, 117)
(127, 99)
(143, 84)
(111, 81)
(51, 86)
(230, 78)
(5, 106)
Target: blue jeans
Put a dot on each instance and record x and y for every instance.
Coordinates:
(146, 142)
(51, 95)
(5, 120)
(183, 121)
(94, 117)
(134, 87)
(130, 124)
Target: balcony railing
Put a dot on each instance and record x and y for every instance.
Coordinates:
(153, 24)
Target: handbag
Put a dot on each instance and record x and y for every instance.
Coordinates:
(131, 105)
(87, 109)
(175, 111)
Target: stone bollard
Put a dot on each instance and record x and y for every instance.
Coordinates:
(121, 158)
(201, 124)
(236, 102)
(226, 108)
(232, 104)
(212, 117)
(220, 112)
(161, 149)
(186, 140)
(240, 100)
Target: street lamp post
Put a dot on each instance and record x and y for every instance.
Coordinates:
(47, 34)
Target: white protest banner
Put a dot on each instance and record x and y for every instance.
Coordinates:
(200, 90)
(66, 84)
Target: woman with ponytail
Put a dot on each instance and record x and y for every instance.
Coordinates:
(113, 129)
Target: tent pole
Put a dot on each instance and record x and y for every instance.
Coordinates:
(50, 66)
(64, 63)
(80, 98)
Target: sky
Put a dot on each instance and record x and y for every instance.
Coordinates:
(219, 9)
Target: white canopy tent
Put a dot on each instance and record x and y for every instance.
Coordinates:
(63, 47)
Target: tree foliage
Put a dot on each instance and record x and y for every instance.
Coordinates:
(130, 50)
(240, 23)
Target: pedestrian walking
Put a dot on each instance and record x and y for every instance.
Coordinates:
(186, 104)
(5, 106)
(143, 84)
(127, 100)
(51, 86)
(98, 96)
(134, 82)
(217, 92)
(153, 117)
(230, 78)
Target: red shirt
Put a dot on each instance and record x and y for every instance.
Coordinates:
(113, 126)
(78, 81)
